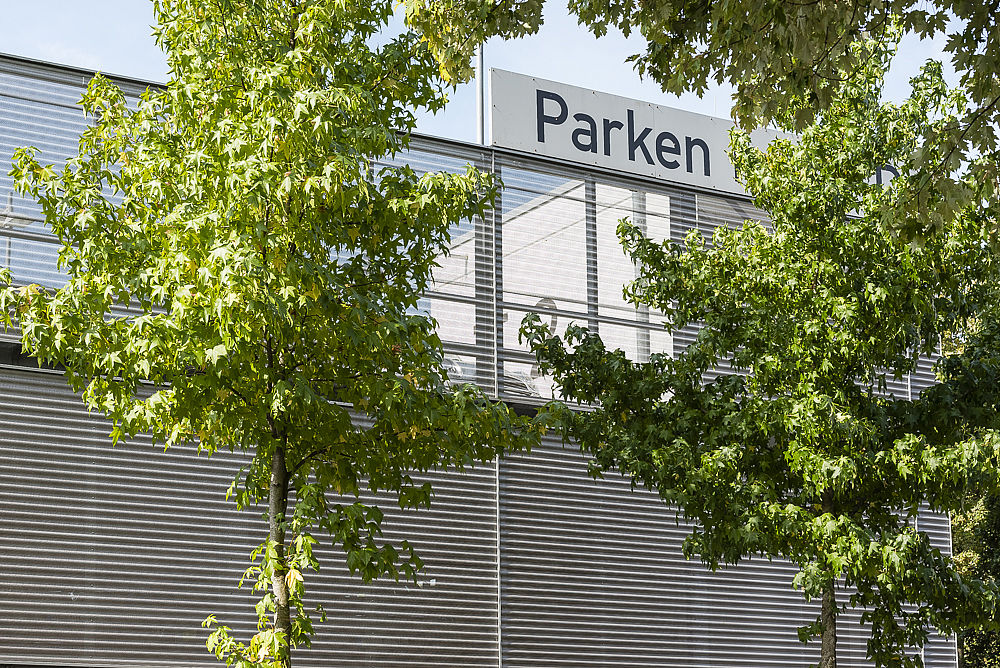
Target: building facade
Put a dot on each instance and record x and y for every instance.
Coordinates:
(114, 556)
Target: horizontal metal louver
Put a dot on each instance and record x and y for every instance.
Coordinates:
(558, 255)
(123, 550)
(461, 296)
(117, 554)
(923, 376)
(592, 574)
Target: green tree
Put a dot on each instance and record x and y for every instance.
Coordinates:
(781, 55)
(976, 536)
(976, 528)
(778, 55)
(241, 276)
(797, 453)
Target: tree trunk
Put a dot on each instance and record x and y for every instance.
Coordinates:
(277, 506)
(828, 613)
(828, 619)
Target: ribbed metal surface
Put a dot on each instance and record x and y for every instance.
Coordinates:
(560, 258)
(939, 651)
(592, 574)
(115, 555)
(461, 296)
(923, 376)
(120, 552)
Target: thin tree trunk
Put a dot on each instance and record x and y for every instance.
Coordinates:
(277, 506)
(828, 612)
(828, 617)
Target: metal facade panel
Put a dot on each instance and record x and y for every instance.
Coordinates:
(123, 550)
(592, 574)
(939, 651)
(119, 553)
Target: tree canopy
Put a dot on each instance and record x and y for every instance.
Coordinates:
(976, 532)
(242, 276)
(776, 53)
(975, 355)
(799, 451)
(787, 61)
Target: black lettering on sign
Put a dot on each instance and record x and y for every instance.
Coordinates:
(667, 144)
(610, 125)
(885, 168)
(637, 142)
(689, 145)
(589, 131)
(551, 109)
(540, 97)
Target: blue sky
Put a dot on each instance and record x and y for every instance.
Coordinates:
(114, 36)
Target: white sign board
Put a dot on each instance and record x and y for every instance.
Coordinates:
(584, 126)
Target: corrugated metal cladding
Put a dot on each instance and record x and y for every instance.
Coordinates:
(592, 575)
(114, 556)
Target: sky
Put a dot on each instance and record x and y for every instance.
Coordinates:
(114, 36)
